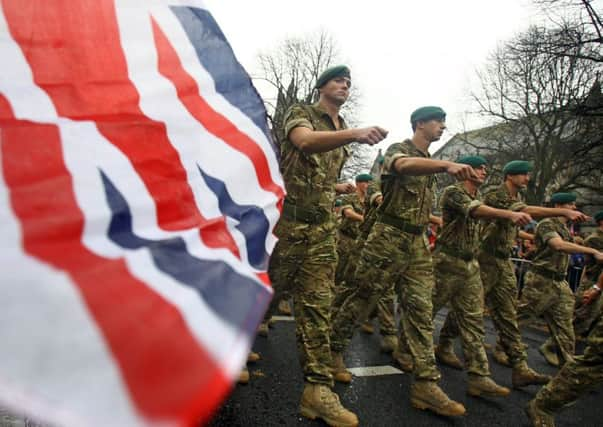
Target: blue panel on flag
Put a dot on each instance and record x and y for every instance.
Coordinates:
(253, 223)
(235, 298)
(216, 55)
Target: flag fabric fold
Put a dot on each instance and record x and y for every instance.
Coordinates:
(139, 188)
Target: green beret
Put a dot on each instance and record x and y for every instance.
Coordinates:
(364, 177)
(473, 161)
(331, 73)
(338, 202)
(425, 114)
(599, 216)
(561, 198)
(517, 167)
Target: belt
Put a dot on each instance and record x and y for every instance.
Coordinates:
(497, 253)
(456, 253)
(400, 224)
(303, 214)
(549, 274)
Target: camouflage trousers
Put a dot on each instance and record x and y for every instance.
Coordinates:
(553, 300)
(303, 263)
(345, 249)
(500, 296)
(577, 376)
(458, 282)
(384, 311)
(585, 315)
(390, 256)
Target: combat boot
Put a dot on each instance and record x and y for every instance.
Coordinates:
(404, 360)
(389, 343)
(243, 376)
(263, 329)
(284, 307)
(339, 370)
(501, 357)
(427, 395)
(253, 357)
(549, 353)
(537, 416)
(444, 353)
(319, 401)
(478, 385)
(523, 375)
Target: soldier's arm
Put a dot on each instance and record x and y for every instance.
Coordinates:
(484, 211)
(348, 212)
(313, 141)
(561, 245)
(437, 220)
(542, 212)
(421, 166)
(593, 293)
(525, 236)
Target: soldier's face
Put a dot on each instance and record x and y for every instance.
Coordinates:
(433, 129)
(337, 90)
(362, 186)
(520, 180)
(482, 173)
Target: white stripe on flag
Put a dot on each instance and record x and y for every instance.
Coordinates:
(52, 351)
(214, 156)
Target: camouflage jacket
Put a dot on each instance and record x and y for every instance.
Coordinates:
(545, 256)
(406, 197)
(310, 178)
(595, 241)
(370, 208)
(498, 235)
(461, 231)
(348, 226)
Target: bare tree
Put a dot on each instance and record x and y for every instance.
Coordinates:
(291, 70)
(535, 96)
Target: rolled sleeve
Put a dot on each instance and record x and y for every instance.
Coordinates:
(297, 117)
(517, 206)
(459, 201)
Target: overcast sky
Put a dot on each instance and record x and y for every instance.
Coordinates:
(402, 54)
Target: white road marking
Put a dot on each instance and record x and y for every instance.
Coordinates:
(373, 371)
(283, 318)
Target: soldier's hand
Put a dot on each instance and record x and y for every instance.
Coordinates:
(371, 135)
(590, 295)
(576, 216)
(345, 188)
(520, 218)
(461, 171)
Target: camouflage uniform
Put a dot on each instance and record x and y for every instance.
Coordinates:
(498, 276)
(576, 377)
(396, 251)
(457, 274)
(546, 292)
(585, 315)
(385, 305)
(349, 231)
(305, 257)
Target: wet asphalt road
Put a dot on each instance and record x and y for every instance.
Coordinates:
(272, 396)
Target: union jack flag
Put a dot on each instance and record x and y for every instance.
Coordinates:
(139, 189)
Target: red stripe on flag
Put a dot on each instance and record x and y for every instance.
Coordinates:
(168, 374)
(87, 80)
(215, 123)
